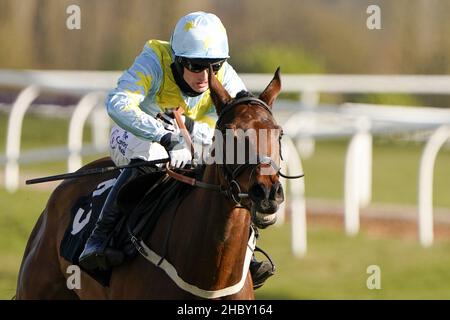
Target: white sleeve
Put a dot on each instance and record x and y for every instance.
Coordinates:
(143, 78)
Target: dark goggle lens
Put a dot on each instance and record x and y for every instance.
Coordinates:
(199, 67)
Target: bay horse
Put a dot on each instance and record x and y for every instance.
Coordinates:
(207, 255)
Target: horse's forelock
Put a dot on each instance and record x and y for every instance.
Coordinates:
(243, 94)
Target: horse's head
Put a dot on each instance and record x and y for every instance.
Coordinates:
(252, 171)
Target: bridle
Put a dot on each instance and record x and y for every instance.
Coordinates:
(231, 175)
(233, 189)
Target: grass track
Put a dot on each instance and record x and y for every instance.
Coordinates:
(335, 266)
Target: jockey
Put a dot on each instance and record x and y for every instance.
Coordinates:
(164, 76)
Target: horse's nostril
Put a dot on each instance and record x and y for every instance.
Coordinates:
(257, 192)
(277, 192)
(280, 191)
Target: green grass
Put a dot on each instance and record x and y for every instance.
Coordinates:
(334, 267)
(395, 172)
(18, 214)
(38, 132)
(395, 165)
(42, 132)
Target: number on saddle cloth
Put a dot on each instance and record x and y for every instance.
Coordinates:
(142, 200)
(84, 215)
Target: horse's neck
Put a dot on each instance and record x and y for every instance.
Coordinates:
(222, 212)
(222, 233)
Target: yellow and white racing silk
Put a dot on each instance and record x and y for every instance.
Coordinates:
(148, 87)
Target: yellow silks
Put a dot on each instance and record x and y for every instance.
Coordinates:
(169, 95)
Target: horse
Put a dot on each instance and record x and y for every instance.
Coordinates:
(211, 239)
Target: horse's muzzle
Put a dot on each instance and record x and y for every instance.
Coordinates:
(266, 199)
(265, 202)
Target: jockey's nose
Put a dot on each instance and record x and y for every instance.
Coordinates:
(202, 75)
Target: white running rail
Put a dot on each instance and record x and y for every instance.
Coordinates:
(425, 189)
(304, 124)
(79, 117)
(13, 136)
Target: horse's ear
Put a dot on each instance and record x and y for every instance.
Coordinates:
(219, 94)
(271, 92)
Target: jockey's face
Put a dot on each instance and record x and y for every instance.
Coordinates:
(198, 81)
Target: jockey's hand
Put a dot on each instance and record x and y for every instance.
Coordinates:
(180, 158)
(167, 119)
(179, 154)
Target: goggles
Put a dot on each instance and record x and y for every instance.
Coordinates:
(199, 65)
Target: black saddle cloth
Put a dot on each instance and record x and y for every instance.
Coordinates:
(142, 201)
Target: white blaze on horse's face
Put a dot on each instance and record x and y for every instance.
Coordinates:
(253, 115)
(269, 150)
(266, 192)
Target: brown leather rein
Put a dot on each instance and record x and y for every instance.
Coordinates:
(192, 181)
(233, 191)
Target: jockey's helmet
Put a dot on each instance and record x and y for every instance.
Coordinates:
(200, 35)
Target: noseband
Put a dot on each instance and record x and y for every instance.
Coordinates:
(233, 189)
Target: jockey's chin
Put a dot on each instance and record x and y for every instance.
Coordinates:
(198, 81)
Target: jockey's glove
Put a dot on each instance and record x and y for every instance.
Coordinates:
(179, 154)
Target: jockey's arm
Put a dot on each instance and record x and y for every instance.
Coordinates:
(123, 103)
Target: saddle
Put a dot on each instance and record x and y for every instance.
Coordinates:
(142, 201)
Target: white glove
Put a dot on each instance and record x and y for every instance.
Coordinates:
(179, 154)
(202, 133)
(179, 158)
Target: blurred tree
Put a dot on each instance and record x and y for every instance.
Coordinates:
(266, 58)
(383, 98)
(332, 35)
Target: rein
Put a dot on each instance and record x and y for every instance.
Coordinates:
(233, 191)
